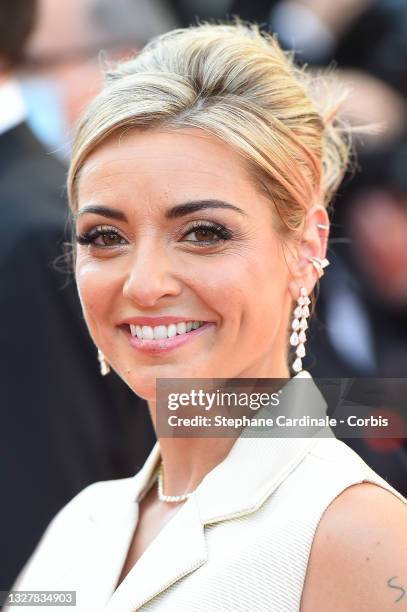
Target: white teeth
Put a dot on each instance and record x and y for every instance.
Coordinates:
(148, 333)
(181, 328)
(159, 332)
(172, 330)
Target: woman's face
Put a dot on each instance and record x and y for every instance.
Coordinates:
(172, 230)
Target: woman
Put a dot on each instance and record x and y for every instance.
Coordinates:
(199, 183)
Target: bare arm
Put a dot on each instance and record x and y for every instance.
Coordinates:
(358, 560)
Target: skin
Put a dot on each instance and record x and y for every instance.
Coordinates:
(158, 270)
(358, 559)
(245, 285)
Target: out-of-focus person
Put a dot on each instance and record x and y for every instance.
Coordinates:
(364, 302)
(361, 324)
(64, 55)
(63, 426)
(367, 34)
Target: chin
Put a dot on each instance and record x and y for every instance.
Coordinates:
(144, 385)
(142, 380)
(145, 391)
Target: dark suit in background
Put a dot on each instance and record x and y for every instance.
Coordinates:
(63, 426)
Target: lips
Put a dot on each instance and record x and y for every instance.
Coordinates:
(159, 345)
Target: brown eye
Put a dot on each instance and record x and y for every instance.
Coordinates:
(108, 239)
(207, 234)
(101, 237)
(204, 235)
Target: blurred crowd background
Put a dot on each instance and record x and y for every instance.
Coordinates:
(57, 437)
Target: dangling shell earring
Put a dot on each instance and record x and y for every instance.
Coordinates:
(299, 325)
(104, 366)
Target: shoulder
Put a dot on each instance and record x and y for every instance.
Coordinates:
(357, 561)
(72, 527)
(100, 497)
(331, 466)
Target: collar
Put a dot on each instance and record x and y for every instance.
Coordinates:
(13, 109)
(239, 485)
(262, 462)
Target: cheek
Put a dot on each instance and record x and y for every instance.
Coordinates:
(245, 289)
(96, 287)
(262, 293)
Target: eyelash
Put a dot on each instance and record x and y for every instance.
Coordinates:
(88, 238)
(220, 231)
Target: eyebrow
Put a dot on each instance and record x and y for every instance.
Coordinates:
(173, 213)
(103, 211)
(184, 209)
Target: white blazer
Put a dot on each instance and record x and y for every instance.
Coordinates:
(240, 543)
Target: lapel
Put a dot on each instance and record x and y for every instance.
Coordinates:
(105, 536)
(255, 466)
(178, 550)
(239, 485)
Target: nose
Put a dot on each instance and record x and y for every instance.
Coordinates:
(151, 275)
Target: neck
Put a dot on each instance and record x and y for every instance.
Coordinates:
(186, 461)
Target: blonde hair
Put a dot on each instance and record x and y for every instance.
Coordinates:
(234, 82)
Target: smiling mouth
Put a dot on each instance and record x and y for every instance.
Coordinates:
(184, 332)
(163, 332)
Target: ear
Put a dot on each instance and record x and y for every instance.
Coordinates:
(313, 243)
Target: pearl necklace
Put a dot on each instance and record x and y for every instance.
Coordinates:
(168, 498)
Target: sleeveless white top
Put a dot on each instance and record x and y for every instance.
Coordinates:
(241, 542)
